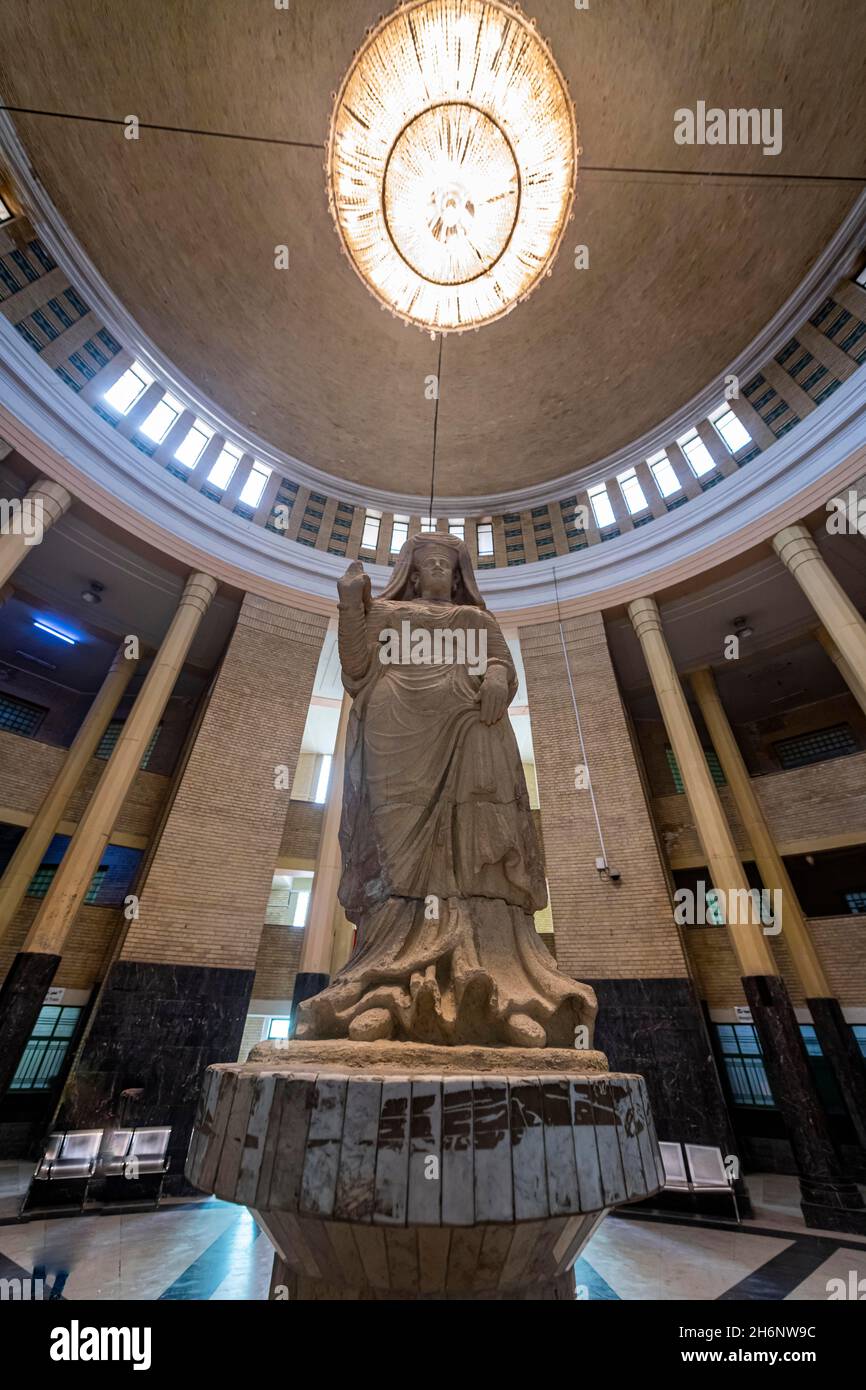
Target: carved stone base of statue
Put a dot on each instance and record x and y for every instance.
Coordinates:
(394, 1170)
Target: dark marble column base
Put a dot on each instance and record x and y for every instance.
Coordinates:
(821, 1218)
(21, 998)
(307, 983)
(827, 1195)
(839, 1046)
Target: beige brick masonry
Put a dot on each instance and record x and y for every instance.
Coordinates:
(207, 890)
(603, 930)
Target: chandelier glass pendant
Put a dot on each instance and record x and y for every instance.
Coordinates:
(452, 161)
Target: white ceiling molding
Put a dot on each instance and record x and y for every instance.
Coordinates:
(66, 439)
(836, 261)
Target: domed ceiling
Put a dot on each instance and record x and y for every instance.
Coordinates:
(682, 272)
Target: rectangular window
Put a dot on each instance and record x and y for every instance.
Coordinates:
(399, 534)
(44, 877)
(253, 488)
(733, 432)
(856, 900)
(662, 470)
(744, 1064)
(484, 535)
(279, 1027)
(456, 527)
(712, 763)
(700, 460)
(95, 884)
(47, 1046)
(161, 419)
(323, 776)
(41, 881)
(19, 716)
(632, 491)
(128, 388)
(224, 466)
(816, 747)
(370, 536)
(600, 503)
(189, 450)
(112, 733)
(428, 524)
(5, 211)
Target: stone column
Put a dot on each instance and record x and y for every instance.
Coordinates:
(29, 854)
(318, 944)
(36, 963)
(845, 669)
(618, 936)
(797, 550)
(837, 1041)
(827, 1199)
(44, 503)
(176, 996)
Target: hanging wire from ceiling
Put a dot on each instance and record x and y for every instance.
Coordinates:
(584, 759)
(435, 426)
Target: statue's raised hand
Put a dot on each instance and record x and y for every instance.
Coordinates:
(354, 588)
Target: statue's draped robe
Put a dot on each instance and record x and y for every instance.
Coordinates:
(441, 865)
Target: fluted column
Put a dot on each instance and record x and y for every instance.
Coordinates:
(827, 1198)
(39, 834)
(837, 1041)
(318, 944)
(44, 504)
(799, 553)
(36, 964)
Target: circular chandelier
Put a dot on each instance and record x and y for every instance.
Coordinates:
(452, 161)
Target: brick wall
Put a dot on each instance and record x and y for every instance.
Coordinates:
(277, 962)
(603, 930)
(86, 952)
(207, 889)
(301, 830)
(841, 944)
(807, 808)
(755, 739)
(28, 767)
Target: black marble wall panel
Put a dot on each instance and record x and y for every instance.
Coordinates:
(657, 1028)
(155, 1030)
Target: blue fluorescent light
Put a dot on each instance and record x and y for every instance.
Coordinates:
(54, 632)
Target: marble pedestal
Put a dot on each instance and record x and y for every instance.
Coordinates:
(401, 1171)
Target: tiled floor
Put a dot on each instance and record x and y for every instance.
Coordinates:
(210, 1250)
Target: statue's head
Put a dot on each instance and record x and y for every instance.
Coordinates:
(434, 565)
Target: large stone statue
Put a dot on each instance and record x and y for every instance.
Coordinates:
(438, 1128)
(441, 865)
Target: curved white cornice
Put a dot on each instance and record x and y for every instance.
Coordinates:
(836, 260)
(68, 441)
